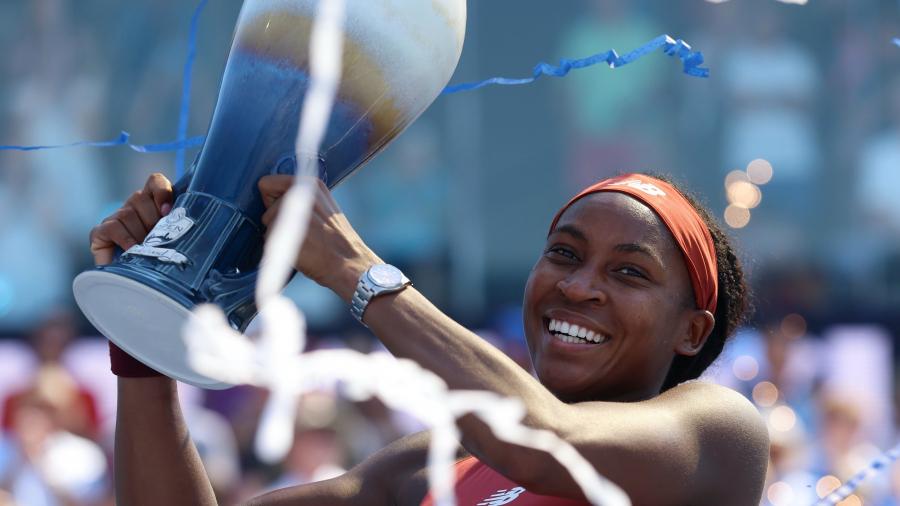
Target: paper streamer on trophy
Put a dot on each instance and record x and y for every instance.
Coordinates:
(844, 491)
(275, 361)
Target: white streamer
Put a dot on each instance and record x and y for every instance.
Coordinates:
(277, 361)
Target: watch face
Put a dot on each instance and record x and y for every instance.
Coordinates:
(386, 276)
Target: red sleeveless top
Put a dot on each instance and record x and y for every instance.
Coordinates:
(479, 485)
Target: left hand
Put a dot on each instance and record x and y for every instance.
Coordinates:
(333, 254)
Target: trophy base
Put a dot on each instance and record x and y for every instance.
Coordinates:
(142, 321)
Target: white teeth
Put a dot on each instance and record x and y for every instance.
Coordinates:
(571, 333)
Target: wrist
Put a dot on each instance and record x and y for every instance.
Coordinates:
(345, 278)
(125, 366)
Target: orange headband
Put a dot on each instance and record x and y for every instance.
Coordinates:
(688, 228)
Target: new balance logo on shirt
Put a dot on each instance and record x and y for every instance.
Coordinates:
(503, 496)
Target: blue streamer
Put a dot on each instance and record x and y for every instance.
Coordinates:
(121, 140)
(896, 41)
(850, 486)
(186, 87)
(691, 61)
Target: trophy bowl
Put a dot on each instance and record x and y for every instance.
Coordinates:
(398, 56)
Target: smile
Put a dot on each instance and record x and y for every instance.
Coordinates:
(572, 333)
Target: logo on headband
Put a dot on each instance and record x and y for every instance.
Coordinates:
(648, 188)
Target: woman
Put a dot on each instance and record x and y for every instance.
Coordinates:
(634, 294)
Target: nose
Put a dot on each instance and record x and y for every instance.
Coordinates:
(582, 286)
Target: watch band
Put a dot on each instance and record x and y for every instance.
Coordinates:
(368, 287)
(360, 300)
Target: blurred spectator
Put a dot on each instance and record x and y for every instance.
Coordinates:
(42, 463)
(49, 341)
(317, 452)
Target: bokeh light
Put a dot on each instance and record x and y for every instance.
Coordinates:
(853, 500)
(765, 394)
(737, 217)
(745, 368)
(744, 194)
(793, 326)
(826, 485)
(780, 494)
(736, 176)
(782, 419)
(760, 171)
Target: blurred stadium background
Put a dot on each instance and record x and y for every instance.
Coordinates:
(794, 142)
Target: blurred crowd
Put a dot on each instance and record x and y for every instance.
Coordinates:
(794, 142)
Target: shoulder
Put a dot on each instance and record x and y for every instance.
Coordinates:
(714, 405)
(731, 435)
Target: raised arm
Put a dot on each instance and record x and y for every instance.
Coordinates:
(155, 460)
(668, 450)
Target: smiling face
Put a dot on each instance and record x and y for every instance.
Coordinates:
(612, 269)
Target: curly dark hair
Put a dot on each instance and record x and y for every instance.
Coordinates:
(733, 304)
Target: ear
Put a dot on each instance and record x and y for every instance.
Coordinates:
(697, 328)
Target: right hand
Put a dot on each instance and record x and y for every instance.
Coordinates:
(134, 220)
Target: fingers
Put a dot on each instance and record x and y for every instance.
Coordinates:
(159, 189)
(141, 202)
(269, 216)
(273, 187)
(106, 236)
(133, 221)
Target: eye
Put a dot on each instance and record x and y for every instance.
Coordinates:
(632, 272)
(560, 252)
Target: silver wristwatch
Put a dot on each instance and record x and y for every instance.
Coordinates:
(377, 280)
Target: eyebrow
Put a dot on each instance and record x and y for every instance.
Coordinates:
(570, 230)
(633, 247)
